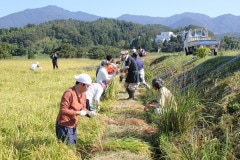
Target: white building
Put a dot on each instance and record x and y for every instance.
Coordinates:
(164, 36)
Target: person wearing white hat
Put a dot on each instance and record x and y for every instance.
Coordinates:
(132, 78)
(35, 66)
(72, 105)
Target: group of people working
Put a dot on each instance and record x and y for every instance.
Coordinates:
(131, 68)
(54, 58)
(83, 99)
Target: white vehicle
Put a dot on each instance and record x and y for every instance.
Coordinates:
(195, 38)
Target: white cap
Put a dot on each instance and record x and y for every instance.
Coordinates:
(37, 63)
(122, 53)
(83, 78)
(134, 50)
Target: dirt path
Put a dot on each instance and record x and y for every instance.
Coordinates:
(127, 120)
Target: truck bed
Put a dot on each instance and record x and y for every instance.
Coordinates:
(203, 42)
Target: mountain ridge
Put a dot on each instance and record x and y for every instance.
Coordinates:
(226, 23)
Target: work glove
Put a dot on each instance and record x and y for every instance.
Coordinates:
(83, 113)
(158, 111)
(92, 113)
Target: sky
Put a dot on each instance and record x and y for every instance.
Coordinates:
(116, 8)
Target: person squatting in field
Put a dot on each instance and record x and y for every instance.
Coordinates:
(132, 77)
(140, 68)
(72, 106)
(35, 66)
(94, 94)
(165, 98)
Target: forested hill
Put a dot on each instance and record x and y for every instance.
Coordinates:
(75, 39)
(75, 36)
(92, 37)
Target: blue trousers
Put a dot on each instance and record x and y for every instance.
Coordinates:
(66, 135)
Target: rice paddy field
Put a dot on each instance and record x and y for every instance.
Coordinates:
(29, 104)
(203, 127)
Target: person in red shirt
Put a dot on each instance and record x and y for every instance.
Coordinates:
(112, 67)
(73, 105)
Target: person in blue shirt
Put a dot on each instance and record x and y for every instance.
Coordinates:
(140, 68)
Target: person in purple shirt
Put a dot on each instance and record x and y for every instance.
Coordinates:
(140, 66)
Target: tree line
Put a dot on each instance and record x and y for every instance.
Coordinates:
(75, 39)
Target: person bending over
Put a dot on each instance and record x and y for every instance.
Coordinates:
(72, 106)
(165, 98)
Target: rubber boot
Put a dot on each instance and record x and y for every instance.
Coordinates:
(132, 94)
(121, 78)
(129, 93)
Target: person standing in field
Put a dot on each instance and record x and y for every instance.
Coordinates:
(132, 77)
(94, 94)
(122, 66)
(54, 58)
(73, 105)
(141, 52)
(165, 98)
(35, 66)
(140, 68)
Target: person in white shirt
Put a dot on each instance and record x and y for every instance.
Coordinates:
(93, 95)
(35, 66)
(102, 74)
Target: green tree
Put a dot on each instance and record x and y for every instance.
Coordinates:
(4, 51)
(230, 43)
(97, 52)
(67, 51)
